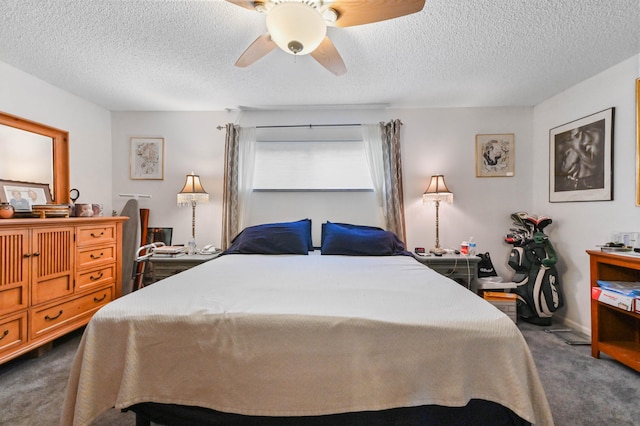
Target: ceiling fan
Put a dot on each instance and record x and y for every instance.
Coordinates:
(299, 27)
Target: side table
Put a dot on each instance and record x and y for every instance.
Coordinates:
(458, 267)
(164, 267)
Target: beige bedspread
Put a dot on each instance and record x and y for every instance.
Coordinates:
(303, 335)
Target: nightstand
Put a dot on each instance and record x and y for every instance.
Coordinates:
(458, 267)
(164, 267)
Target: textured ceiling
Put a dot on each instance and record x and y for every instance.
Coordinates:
(178, 55)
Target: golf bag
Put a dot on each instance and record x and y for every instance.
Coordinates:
(533, 260)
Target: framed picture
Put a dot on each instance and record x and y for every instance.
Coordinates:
(162, 235)
(495, 155)
(580, 159)
(23, 195)
(147, 158)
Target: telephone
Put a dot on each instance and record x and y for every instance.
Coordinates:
(209, 249)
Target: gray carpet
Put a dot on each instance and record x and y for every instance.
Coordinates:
(581, 390)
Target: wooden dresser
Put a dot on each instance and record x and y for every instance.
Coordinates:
(54, 275)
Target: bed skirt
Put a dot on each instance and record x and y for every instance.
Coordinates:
(476, 412)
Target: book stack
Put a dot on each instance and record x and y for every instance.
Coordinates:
(169, 251)
(624, 295)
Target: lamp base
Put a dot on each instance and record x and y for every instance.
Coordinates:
(438, 251)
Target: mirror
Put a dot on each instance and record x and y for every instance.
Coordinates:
(34, 152)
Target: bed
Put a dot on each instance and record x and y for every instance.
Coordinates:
(306, 338)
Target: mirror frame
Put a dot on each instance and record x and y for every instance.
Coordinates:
(60, 151)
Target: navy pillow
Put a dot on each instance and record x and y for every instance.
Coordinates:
(273, 238)
(358, 240)
(344, 225)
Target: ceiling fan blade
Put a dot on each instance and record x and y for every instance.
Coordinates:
(358, 12)
(247, 4)
(327, 55)
(259, 48)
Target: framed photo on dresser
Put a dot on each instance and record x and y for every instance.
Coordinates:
(23, 195)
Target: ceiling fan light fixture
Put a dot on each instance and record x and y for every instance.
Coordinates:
(297, 28)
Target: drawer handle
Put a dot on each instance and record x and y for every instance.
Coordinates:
(48, 318)
(97, 235)
(6, 332)
(95, 299)
(92, 278)
(36, 254)
(94, 257)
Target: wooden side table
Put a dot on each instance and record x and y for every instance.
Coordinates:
(164, 267)
(614, 331)
(459, 267)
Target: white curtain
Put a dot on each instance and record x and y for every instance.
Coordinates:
(382, 142)
(372, 137)
(245, 174)
(238, 180)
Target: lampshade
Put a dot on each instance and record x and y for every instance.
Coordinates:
(437, 191)
(192, 192)
(297, 28)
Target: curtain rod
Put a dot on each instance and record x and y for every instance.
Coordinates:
(301, 126)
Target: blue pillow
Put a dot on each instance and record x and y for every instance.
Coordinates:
(358, 240)
(344, 225)
(273, 238)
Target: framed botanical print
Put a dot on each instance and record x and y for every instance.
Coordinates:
(147, 158)
(580, 159)
(495, 155)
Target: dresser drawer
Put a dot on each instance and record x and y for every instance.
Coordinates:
(94, 257)
(13, 331)
(13, 298)
(95, 234)
(80, 309)
(96, 277)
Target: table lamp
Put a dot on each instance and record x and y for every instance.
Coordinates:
(435, 193)
(191, 194)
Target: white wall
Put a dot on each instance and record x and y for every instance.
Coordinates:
(443, 141)
(433, 141)
(192, 144)
(89, 128)
(580, 226)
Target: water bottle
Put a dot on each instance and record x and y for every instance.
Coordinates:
(191, 247)
(472, 247)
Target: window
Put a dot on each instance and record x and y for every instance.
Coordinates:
(311, 159)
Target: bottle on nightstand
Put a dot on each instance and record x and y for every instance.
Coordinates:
(472, 247)
(191, 247)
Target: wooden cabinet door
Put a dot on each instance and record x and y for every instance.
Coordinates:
(52, 263)
(14, 270)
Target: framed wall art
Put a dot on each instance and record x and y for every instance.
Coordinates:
(495, 155)
(581, 159)
(147, 158)
(23, 195)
